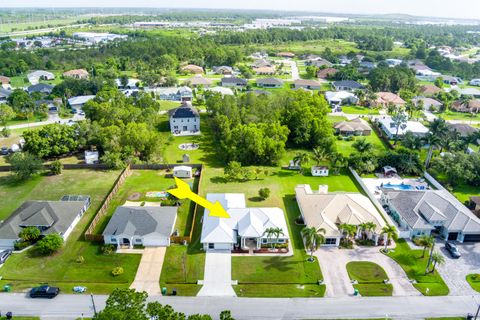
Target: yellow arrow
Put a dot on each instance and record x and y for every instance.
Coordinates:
(183, 192)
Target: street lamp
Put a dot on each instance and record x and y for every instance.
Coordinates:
(93, 303)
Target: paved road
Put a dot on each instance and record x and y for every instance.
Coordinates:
(148, 273)
(293, 68)
(72, 306)
(52, 118)
(218, 275)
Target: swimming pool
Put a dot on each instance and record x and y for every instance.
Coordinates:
(398, 186)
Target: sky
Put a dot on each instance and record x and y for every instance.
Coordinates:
(435, 8)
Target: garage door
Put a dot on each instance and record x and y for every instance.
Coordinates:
(471, 238)
(156, 242)
(452, 236)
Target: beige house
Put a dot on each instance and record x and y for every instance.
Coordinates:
(387, 98)
(356, 126)
(76, 74)
(322, 209)
(191, 68)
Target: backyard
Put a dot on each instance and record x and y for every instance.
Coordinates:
(370, 278)
(359, 110)
(62, 268)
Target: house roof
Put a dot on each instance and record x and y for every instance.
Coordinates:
(427, 102)
(192, 68)
(429, 89)
(304, 82)
(385, 98)
(262, 63)
(184, 111)
(40, 73)
(327, 72)
(349, 84)
(223, 91)
(329, 210)
(412, 126)
(142, 221)
(80, 100)
(356, 124)
(472, 106)
(4, 80)
(40, 87)
(266, 69)
(5, 93)
(76, 72)
(339, 96)
(462, 128)
(270, 81)
(420, 207)
(244, 222)
(199, 80)
(234, 80)
(55, 216)
(184, 168)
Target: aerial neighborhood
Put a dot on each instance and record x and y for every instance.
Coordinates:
(259, 156)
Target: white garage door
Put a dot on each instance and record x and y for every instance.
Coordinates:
(222, 246)
(156, 242)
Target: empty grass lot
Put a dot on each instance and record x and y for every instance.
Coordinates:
(414, 266)
(359, 110)
(474, 281)
(61, 269)
(370, 278)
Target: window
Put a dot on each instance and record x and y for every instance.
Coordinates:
(281, 240)
(211, 245)
(331, 241)
(264, 240)
(138, 240)
(112, 239)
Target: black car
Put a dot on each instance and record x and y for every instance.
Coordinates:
(44, 292)
(4, 151)
(4, 255)
(453, 250)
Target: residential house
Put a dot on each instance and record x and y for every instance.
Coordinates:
(388, 126)
(262, 63)
(35, 76)
(453, 81)
(4, 94)
(286, 54)
(463, 129)
(356, 127)
(79, 101)
(225, 70)
(48, 216)
(264, 70)
(326, 73)
(473, 92)
(76, 74)
(148, 226)
(184, 119)
(198, 80)
(191, 68)
(347, 85)
(429, 104)
(223, 91)
(183, 172)
(384, 99)
(318, 62)
(326, 210)
(393, 62)
(43, 88)
(421, 212)
(130, 84)
(5, 83)
(429, 90)
(306, 84)
(473, 82)
(234, 82)
(367, 66)
(472, 106)
(338, 98)
(270, 83)
(175, 93)
(246, 227)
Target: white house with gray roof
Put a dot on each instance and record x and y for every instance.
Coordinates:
(184, 120)
(422, 212)
(146, 226)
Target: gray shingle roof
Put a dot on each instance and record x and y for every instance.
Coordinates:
(184, 111)
(141, 221)
(270, 81)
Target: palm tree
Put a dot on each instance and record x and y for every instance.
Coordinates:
(370, 227)
(399, 121)
(349, 230)
(432, 141)
(411, 141)
(390, 232)
(437, 258)
(319, 155)
(363, 229)
(361, 96)
(426, 242)
(301, 158)
(363, 146)
(313, 238)
(273, 233)
(338, 161)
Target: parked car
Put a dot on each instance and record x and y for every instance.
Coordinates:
(4, 151)
(4, 255)
(44, 292)
(453, 250)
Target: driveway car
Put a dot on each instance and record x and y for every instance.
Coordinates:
(4, 255)
(4, 151)
(453, 250)
(44, 292)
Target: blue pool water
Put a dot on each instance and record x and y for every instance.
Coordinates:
(398, 186)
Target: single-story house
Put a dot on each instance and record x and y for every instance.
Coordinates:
(131, 84)
(286, 54)
(270, 83)
(4, 94)
(307, 84)
(223, 70)
(367, 65)
(5, 83)
(463, 129)
(429, 90)
(387, 98)
(175, 93)
(474, 92)
(244, 228)
(473, 106)
(48, 216)
(146, 226)
(223, 91)
(326, 210)
(338, 98)
(451, 80)
(76, 73)
(184, 119)
(234, 82)
(473, 82)
(79, 102)
(428, 103)
(387, 125)
(264, 70)
(35, 76)
(261, 63)
(91, 157)
(356, 126)
(319, 171)
(326, 73)
(393, 62)
(43, 88)
(191, 68)
(318, 62)
(347, 85)
(198, 80)
(421, 212)
(183, 172)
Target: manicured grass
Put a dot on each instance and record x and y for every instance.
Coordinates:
(279, 290)
(14, 192)
(334, 119)
(452, 115)
(61, 269)
(474, 281)
(414, 266)
(167, 105)
(346, 147)
(370, 278)
(359, 110)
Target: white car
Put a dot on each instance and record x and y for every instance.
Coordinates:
(475, 82)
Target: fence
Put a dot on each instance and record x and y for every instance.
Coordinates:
(90, 233)
(433, 181)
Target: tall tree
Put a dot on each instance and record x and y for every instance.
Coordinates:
(313, 239)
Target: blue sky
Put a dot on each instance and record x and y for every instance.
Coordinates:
(439, 8)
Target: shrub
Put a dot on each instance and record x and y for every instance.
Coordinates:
(80, 259)
(24, 164)
(107, 249)
(20, 245)
(117, 271)
(50, 243)
(340, 138)
(264, 193)
(6, 132)
(56, 168)
(30, 234)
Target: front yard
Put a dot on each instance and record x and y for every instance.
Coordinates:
(359, 110)
(62, 268)
(370, 278)
(474, 281)
(414, 266)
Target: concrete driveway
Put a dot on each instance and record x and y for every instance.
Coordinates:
(333, 263)
(149, 270)
(218, 275)
(454, 271)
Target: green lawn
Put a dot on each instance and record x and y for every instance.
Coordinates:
(167, 105)
(474, 281)
(452, 115)
(414, 266)
(346, 147)
(370, 278)
(359, 110)
(61, 269)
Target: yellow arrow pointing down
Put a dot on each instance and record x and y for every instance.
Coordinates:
(183, 192)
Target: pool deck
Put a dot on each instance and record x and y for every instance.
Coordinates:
(373, 184)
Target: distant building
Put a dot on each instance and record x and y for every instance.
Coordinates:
(307, 84)
(326, 73)
(264, 70)
(286, 54)
(347, 85)
(98, 37)
(40, 87)
(76, 74)
(191, 68)
(357, 127)
(225, 70)
(234, 82)
(388, 126)
(338, 98)
(198, 80)
(79, 101)
(269, 83)
(175, 93)
(35, 76)
(384, 99)
(223, 91)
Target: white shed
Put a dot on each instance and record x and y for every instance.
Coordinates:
(319, 171)
(182, 172)
(91, 157)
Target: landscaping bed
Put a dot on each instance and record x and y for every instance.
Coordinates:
(370, 277)
(474, 281)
